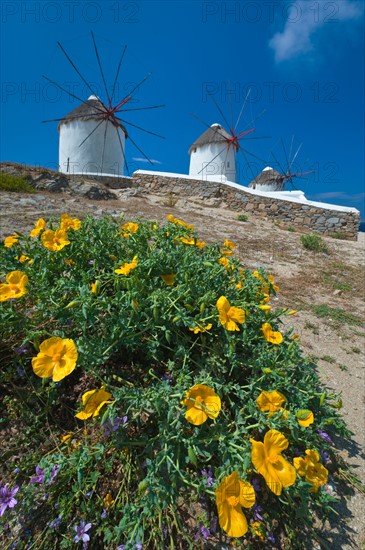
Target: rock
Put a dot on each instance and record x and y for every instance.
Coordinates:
(91, 190)
(55, 184)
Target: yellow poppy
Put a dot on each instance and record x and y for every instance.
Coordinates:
(270, 401)
(23, 258)
(201, 403)
(229, 316)
(313, 471)
(201, 328)
(54, 240)
(305, 418)
(169, 279)
(176, 221)
(229, 244)
(69, 262)
(39, 226)
(93, 401)
(258, 529)
(129, 228)
(108, 501)
(69, 223)
(126, 268)
(231, 494)
(57, 357)
(193, 242)
(270, 335)
(14, 287)
(10, 241)
(266, 458)
(95, 287)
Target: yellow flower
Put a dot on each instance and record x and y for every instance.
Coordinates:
(239, 285)
(10, 241)
(292, 312)
(95, 287)
(270, 335)
(57, 357)
(191, 241)
(126, 268)
(54, 240)
(129, 228)
(229, 316)
(69, 223)
(266, 286)
(69, 262)
(23, 259)
(201, 403)
(15, 286)
(270, 401)
(199, 243)
(257, 529)
(108, 501)
(66, 437)
(176, 221)
(231, 494)
(229, 244)
(305, 418)
(310, 467)
(265, 308)
(93, 401)
(224, 262)
(39, 226)
(169, 279)
(201, 328)
(266, 458)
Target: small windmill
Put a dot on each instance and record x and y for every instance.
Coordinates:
(92, 136)
(273, 180)
(214, 152)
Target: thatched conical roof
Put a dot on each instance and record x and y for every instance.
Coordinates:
(267, 176)
(215, 134)
(89, 110)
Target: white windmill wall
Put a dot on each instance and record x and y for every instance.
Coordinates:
(87, 159)
(224, 164)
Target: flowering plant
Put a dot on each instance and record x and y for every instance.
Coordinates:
(157, 383)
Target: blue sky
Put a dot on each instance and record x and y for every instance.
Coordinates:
(302, 60)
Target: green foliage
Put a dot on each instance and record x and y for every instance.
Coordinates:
(291, 228)
(242, 217)
(336, 314)
(314, 242)
(17, 184)
(146, 338)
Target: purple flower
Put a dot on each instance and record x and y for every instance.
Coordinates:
(21, 349)
(103, 515)
(256, 484)
(20, 371)
(208, 474)
(39, 477)
(325, 457)
(54, 472)
(81, 531)
(167, 377)
(257, 511)
(91, 262)
(7, 499)
(213, 527)
(139, 546)
(270, 537)
(113, 425)
(55, 523)
(297, 452)
(121, 547)
(325, 436)
(202, 531)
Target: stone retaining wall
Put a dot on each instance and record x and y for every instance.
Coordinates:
(296, 214)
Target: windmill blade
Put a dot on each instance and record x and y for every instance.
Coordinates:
(286, 157)
(210, 162)
(117, 73)
(92, 131)
(230, 103)
(122, 148)
(76, 69)
(247, 162)
(242, 109)
(219, 109)
(140, 150)
(141, 108)
(139, 128)
(301, 174)
(253, 120)
(103, 151)
(135, 88)
(258, 137)
(251, 154)
(291, 146)
(101, 68)
(68, 118)
(295, 156)
(283, 173)
(73, 95)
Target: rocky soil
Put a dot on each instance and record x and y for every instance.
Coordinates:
(327, 289)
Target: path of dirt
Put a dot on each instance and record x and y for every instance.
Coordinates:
(307, 280)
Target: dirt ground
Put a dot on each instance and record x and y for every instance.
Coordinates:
(326, 289)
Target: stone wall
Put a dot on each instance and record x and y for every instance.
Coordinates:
(296, 214)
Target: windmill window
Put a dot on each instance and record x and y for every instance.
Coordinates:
(194, 150)
(228, 164)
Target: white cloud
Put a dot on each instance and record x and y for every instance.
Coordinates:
(304, 19)
(140, 159)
